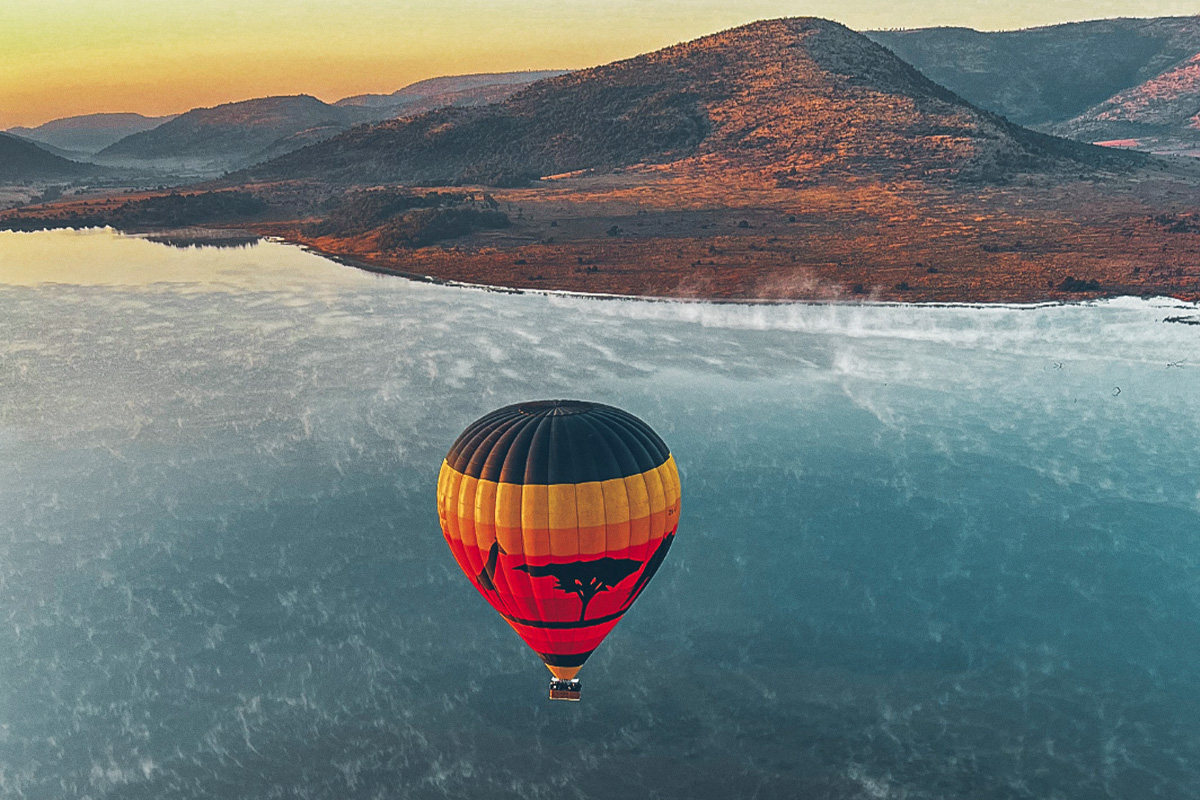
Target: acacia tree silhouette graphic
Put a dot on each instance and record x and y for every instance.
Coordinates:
(585, 578)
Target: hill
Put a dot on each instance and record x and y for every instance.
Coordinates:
(90, 133)
(1162, 113)
(229, 134)
(70, 155)
(794, 99)
(1041, 76)
(23, 161)
(455, 90)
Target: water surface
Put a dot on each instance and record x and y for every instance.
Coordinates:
(924, 553)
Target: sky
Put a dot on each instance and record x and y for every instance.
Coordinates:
(65, 57)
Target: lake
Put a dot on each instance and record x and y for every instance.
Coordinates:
(925, 552)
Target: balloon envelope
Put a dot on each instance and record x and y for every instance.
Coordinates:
(559, 512)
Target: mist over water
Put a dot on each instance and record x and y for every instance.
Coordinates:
(924, 552)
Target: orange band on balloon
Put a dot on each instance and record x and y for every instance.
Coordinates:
(559, 520)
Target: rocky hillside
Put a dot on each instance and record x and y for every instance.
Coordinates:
(1047, 75)
(794, 100)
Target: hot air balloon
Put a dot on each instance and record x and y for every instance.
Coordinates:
(559, 512)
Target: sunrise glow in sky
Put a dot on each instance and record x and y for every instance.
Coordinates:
(64, 57)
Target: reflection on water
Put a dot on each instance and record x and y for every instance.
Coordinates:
(203, 237)
(924, 553)
(98, 257)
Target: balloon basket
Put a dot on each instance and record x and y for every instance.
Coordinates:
(564, 690)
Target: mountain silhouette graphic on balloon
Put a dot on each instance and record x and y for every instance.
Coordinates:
(652, 565)
(585, 578)
(487, 575)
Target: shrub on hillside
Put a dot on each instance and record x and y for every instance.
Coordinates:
(355, 213)
(174, 210)
(425, 226)
(1073, 284)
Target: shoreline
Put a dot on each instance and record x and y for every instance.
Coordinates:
(982, 305)
(247, 236)
(1187, 311)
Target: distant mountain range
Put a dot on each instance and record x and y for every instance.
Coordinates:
(90, 133)
(794, 99)
(211, 140)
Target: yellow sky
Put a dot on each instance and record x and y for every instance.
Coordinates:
(64, 57)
